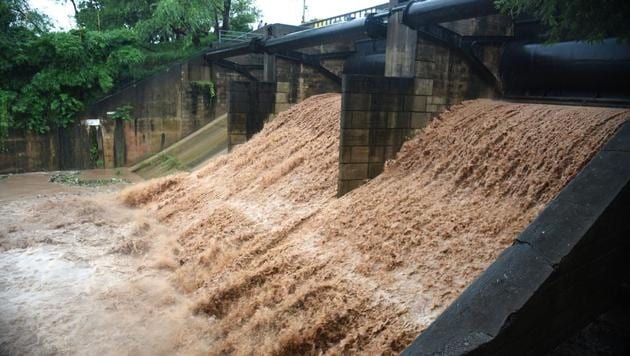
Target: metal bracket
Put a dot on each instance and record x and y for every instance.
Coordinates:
(237, 67)
(465, 46)
(313, 61)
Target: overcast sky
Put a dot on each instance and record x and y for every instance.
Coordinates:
(273, 11)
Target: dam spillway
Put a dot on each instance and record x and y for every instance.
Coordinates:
(277, 262)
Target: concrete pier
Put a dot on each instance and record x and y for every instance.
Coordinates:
(249, 106)
(400, 53)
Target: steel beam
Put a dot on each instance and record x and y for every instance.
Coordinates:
(237, 67)
(307, 60)
(457, 42)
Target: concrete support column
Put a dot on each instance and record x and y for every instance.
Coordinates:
(282, 97)
(249, 106)
(377, 116)
(269, 70)
(400, 53)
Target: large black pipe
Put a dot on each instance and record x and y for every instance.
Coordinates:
(234, 50)
(567, 69)
(368, 27)
(373, 64)
(416, 14)
(422, 13)
(369, 59)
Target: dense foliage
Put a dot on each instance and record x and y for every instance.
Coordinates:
(576, 19)
(47, 77)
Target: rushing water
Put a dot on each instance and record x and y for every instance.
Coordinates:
(279, 265)
(80, 274)
(254, 254)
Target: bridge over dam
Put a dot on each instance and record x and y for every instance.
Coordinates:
(388, 92)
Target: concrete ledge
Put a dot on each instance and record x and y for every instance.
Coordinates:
(566, 267)
(621, 141)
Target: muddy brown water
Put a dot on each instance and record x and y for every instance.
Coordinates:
(281, 266)
(81, 274)
(254, 254)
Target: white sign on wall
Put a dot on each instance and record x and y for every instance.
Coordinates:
(92, 122)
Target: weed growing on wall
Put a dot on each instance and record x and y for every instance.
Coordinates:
(206, 87)
(171, 162)
(123, 113)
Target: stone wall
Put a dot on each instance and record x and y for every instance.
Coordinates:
(445, 76)
(295, 82)
(300, 81)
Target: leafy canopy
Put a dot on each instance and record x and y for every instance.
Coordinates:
(591, 20)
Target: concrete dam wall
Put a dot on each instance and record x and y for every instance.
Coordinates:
(389, 187)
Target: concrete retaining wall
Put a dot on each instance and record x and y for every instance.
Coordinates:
(166, 108)
(569, 266)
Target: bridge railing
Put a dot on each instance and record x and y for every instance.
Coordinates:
(347, 16)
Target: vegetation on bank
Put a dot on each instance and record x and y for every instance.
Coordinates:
(74, 178)
(48, 76)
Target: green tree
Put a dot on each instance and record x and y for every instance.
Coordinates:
(243, 15)
(172, 20)
(63, 71)
(18, 14)
(575, 19)
(102, 15)
(168, 20)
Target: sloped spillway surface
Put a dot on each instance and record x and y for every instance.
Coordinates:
(279, 265)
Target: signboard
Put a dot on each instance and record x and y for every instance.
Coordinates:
(92, 122)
